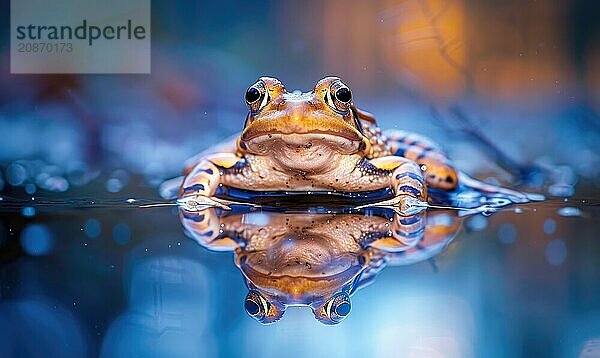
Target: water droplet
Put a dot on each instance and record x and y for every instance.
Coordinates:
(130, 201)
(535, 197)
(569, 211)
(518, 210)
(561, 190)
(498, 202)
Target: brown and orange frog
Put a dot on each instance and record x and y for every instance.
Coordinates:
(320, 142)
(317, 259)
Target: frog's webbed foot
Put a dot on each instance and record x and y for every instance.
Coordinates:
(202, 226)
(201, 183)
(440, 229)
(198, 189)
(404, 205)
(200, 202)
(407, 182)
(214, 231)
(403, 232)
(512, 195)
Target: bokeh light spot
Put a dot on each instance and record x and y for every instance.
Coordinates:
(114, 185)
(28, 211)
(556, 252)
(121, 233)
(477, 223)
(36, 240)
(507, 233)
(549, 226)
(16, 174)
(92, 228)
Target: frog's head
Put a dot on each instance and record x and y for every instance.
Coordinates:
(299, 269)
(302, 131)
(266, 308)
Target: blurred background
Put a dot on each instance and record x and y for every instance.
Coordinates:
(511, 89)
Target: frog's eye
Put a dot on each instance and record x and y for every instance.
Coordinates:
(343, 94)
(252, 95)
(339, 96)
(257, 306)
(334, 310)
(257, 96)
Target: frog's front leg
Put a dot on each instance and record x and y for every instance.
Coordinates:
(212, 231)
(403, 176)
(202, 182)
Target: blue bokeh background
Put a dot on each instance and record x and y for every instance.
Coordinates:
(116, 281)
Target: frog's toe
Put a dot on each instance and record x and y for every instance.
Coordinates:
(200, 202)
(403, 205)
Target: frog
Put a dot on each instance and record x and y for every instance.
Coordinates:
(321, 142)
(317, 260)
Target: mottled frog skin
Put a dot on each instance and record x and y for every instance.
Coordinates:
(320, 141)
(317, 260)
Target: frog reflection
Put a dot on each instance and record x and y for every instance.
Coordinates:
(315, 259)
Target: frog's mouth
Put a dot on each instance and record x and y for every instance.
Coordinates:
(263, 136)
(297, 288)
(302, 142)
(311, 152)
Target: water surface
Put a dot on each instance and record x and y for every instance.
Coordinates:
(107, 277)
